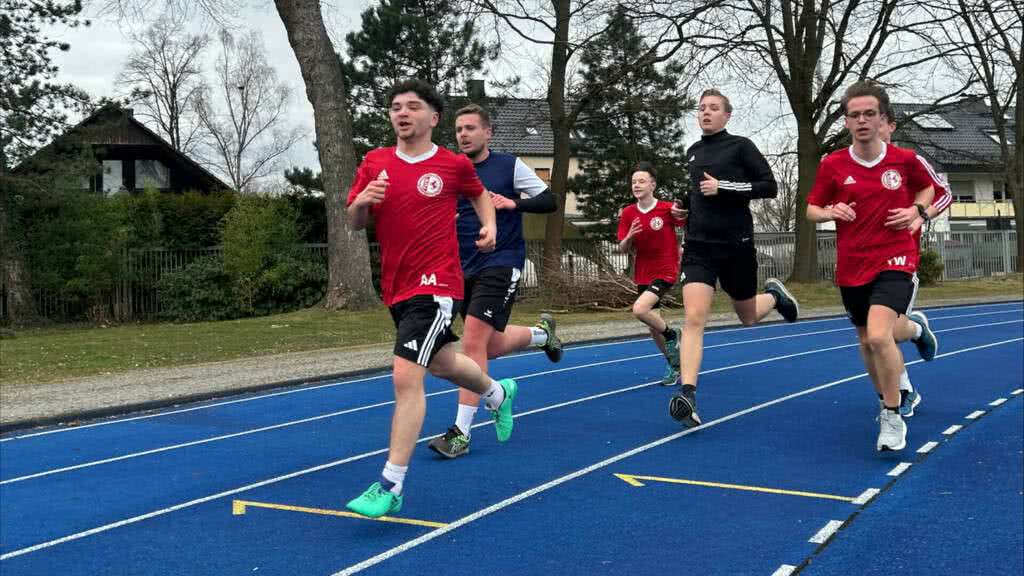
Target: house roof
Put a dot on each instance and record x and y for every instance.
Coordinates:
(111, 125)
(522, 126)
(955, 137)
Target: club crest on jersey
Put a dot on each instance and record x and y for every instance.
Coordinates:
(430, 185)
(657, 223)
(892, 180)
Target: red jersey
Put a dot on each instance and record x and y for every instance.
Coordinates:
(419, 250)
(657, 248)
(865, 246)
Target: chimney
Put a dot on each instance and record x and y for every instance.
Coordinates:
(476, 91)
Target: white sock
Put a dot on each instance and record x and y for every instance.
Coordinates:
(494, 396)
(538, 337)
(464, 419)
(917, 330)
(395, 473)
(905, 381)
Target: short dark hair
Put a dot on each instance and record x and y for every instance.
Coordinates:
(423, 89)
(475, 109)
(717, 93)
(867, 88)
(644, 166)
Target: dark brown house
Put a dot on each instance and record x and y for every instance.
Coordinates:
(130, 156)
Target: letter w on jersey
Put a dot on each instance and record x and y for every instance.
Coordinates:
(898, 261)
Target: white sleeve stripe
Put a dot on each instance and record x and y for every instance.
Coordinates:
(944, 202)
(734, 185)
(931, 172)
(526, 180)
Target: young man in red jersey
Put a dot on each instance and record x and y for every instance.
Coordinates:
(411, 191)
(925, 341)
(872, 191)
(648, 228)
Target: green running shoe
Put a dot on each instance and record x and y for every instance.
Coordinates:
(375, 502)
(503, 415)
(553, 347)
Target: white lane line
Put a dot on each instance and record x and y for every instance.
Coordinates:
(866, 496)
(899, 469)
(614, 459)
(784, 570)
(481, 513)
(975, 415)
(1018, 392)
(391, 402)
(927, 447)
(952, 430)
(388, 375)
(997, 402)
(377, 405)
(826, 532)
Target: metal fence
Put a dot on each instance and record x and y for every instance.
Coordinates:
(136, 296)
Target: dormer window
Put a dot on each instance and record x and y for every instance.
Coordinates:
(932, 122)
(531, 131)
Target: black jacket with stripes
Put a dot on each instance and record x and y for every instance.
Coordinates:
(743, 175)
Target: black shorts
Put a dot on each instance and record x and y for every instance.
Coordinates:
(891, 288)
(658, 287)
(733, 266)
(423, 325)
(489, 295)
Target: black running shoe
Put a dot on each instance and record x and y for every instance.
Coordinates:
(553, 347)
(452, 445)
(683, 409)
(785, 303)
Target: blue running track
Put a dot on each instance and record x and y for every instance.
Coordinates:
(783, 477)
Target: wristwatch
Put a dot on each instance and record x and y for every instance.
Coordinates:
(922, 212)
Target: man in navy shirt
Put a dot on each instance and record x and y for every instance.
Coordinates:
(491, 278)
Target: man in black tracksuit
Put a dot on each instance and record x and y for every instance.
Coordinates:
(726, 173)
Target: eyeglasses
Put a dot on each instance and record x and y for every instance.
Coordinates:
(867, 114)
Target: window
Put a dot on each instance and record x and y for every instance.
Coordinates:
(1000, 192)
(962, 190)
(152, 174)
(113, 181)
(531, 131)
(932, 122)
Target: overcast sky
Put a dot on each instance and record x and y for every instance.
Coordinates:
(98, 54)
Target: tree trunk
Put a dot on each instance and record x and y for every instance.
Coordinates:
(350, 284)
(805, 257)
(560, 168)
(19, 306)
(1016, 166)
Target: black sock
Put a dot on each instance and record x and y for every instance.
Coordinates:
(386, 484)
(689, 390)
(895, 410)
(880, 397)
(669, 333)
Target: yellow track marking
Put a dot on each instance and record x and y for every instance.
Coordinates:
(238, 508)
(634, 480)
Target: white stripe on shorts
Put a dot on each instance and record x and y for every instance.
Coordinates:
(913, 295)
(442, 319)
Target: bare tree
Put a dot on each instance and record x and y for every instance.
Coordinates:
(249, 136)
(568, 26)
(350, 283)
(814, 49)
(986, 39)
(779, 214)
(163, 76)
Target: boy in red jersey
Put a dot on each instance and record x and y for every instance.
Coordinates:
(872, 190)
(649, 229)
(411, 190)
